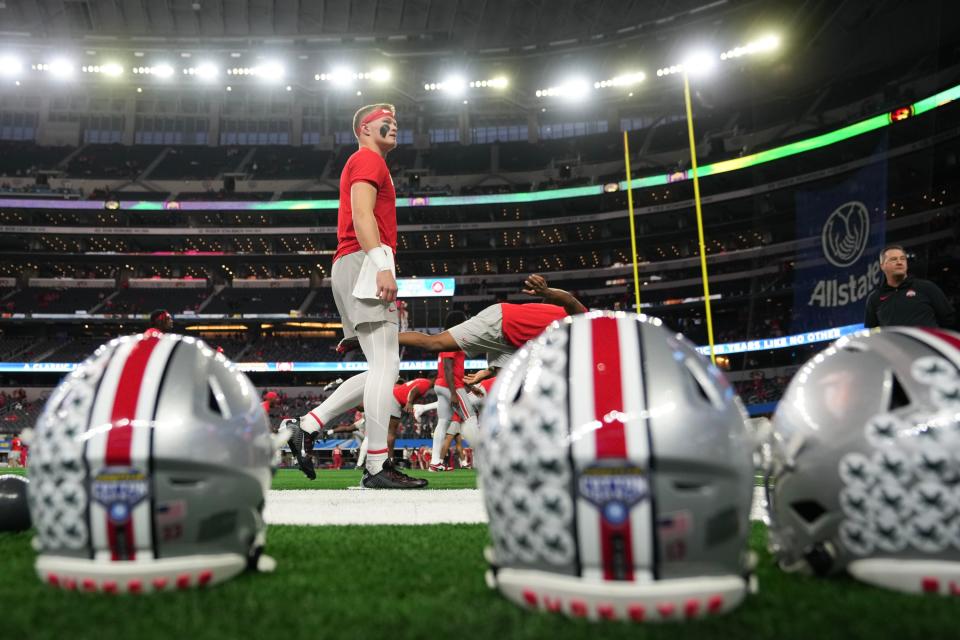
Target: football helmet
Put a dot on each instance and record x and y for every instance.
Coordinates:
(617, 474)
(862, 468)
(149, 470)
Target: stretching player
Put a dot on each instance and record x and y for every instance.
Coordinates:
(403, 397)
(499, 330)
(365, 292)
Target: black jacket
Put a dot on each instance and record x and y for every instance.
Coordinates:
(915, 303)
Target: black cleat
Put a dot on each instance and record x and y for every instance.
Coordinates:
(390, 478)
(300, 443)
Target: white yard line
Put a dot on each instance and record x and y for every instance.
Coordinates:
(318, 507)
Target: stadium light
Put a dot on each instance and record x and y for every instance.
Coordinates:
(160, 70)
(697, 63)
(109, 69)
(204, 71)
(271, 71)
(765, 44)
(380, 75)
(455, 85)
(499, 82)
(623, 80)
(58, 67)
(340, 77)
(573, 89)
(10, 66)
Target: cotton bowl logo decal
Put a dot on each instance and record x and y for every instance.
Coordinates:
(437, 287)
(120, 490)
(845, 234)
(614, 490)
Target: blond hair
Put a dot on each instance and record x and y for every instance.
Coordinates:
(363, 112)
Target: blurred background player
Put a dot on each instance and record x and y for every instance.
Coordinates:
(405, 395)
(17, 455)
(160, 322)
(450, 392)
(365, 292)
(499, 330)
(270, 400)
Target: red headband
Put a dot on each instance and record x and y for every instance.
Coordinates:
(379, 113)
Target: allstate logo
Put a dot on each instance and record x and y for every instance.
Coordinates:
(845, 234)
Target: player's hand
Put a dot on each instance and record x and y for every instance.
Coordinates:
(535, 285)
(347, 345)
(386, 286)
(474, 378)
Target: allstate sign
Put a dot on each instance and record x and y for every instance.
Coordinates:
(835, 275)
(845, 234)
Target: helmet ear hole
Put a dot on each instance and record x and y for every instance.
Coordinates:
(808, 510)
(216, 400)
(701, 389)
(898, 395)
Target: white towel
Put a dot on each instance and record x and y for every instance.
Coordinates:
(366, 287)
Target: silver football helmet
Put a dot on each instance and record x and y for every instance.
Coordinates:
(616, 468)
(150, 465)
(863, 462)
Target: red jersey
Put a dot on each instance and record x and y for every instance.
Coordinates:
(524, 322)
(266, 406)
(487, 384)
(367, 166)
(402, 391)
(458, 357)
(15, 444)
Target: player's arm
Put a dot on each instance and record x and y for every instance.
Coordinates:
(413, 395)
(448, 372)
(363, 196)
(536, 285)
(482, 374)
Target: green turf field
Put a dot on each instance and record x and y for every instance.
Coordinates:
(416, 582)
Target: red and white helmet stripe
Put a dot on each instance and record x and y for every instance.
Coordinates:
(120, 440)
(610, 426)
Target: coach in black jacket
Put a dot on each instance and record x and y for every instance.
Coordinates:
(904, 301)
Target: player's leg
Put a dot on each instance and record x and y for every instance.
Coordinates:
(379, 343)
(444, 413)
(469, 424)
(392, 435)
(362, 456)
(461, 455)
(347, 396)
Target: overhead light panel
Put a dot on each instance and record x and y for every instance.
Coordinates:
(623, 80)
(765, 44)
(498, 82)
(572, 89)
(10, 66)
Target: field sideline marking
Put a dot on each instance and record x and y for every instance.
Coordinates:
(340, 506)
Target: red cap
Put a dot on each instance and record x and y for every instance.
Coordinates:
(270, 395)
